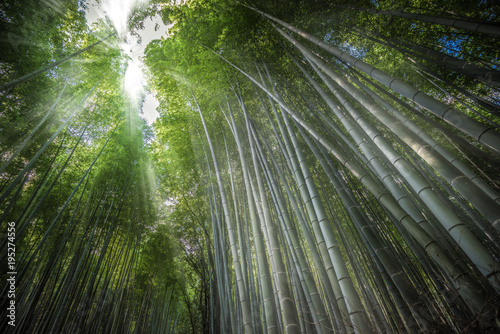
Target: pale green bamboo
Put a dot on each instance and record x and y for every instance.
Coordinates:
(455, 140)
(461, 94)
(323, 263)
(478, 131)
(222, 265)
(467, 241)
(305, 278)
(485, 187)
(356, 152)
(354, 252)
(476, 296)
(317, 259)
(238, 233)
(247, 253)
(475, 250)
(458, 175)
(327, 261)
(215, 222)
(332, 276)
(234, 190)
(244, 299)
(13, 83)
(261, 257)
(485, 104)
(285, 297)
(369, 150)
(265, 220)
(483, 203)
(390, 263)
(450, 95)
(423, 259)
(305, 327)
(354, 305)
(260, 327)
(480, 27)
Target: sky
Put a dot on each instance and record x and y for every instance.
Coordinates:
(117, 11)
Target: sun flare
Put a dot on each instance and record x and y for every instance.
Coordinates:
(134, 79)
(118, 12)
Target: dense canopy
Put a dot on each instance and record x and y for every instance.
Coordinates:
(316, 167)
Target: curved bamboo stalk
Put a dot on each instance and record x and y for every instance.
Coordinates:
(26, 77)
(433, 144)
(244, 299)
(477, 297)
(487, 136)
(265, 279)
(462, 235)
(484, 28)
(285, 297)
(483, 203)
(46, 144)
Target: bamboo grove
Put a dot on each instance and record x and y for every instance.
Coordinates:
(319, 167)
(77, 184)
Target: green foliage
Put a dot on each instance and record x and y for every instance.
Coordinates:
(128, 230)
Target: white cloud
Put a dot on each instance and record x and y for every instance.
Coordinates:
(149, 108)
(118, 12)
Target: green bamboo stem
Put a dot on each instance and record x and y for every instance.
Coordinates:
(478, 131)
(28, 76)
(244, 299)
(261, 257)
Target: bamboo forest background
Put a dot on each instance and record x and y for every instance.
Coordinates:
(317, 167)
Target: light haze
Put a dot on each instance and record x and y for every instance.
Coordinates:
(118, 12)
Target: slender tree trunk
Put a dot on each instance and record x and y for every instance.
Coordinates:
(485, 28)
(26, 77)
(244, 299)
(478, 298)
(478, 131)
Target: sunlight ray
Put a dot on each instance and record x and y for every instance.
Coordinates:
(118, 13)
(134, 79)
